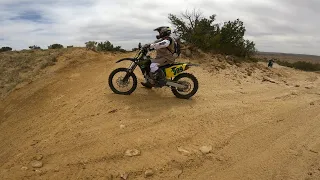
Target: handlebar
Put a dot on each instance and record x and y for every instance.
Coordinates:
(142, 52)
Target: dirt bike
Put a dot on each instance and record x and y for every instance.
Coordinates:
(174, 74)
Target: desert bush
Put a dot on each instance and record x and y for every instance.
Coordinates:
(69, 46)
(103, 46)
(302, 65)
(51, 59)
(55, 46)
(34, 47)
(194, 29)
(91, 45)
(4, 49)
(306, 66)
(284, 63)
(49, 62)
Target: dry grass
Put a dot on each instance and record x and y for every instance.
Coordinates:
(20, 66)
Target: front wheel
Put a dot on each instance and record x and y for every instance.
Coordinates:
(191, 88)
(123, 81)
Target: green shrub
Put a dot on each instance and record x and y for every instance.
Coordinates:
(103, 46)
(194, 29)
(4, 49)
(55, 46)
(91, 45)
(34, 47)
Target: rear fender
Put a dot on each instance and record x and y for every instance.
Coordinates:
(189, 65)
(177, 69)
(174, 70)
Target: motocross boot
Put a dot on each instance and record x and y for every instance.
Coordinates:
(146, 84)
(159, 77)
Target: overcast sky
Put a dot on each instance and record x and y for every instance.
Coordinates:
(274, 25)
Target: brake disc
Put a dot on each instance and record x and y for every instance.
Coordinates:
(121, 83)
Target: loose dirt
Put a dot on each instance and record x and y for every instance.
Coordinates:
(81, 130)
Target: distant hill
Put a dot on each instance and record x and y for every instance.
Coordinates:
(289, 57)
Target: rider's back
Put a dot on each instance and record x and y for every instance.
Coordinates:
(165, 53)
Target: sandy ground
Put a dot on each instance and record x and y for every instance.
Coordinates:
(78, 129)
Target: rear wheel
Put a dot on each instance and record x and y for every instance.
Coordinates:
(122, 82)
(191, 83)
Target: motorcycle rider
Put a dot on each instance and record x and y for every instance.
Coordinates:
(165, 48)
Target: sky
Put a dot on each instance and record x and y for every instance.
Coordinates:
(288, 26)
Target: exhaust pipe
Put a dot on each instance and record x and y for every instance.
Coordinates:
(170, 83)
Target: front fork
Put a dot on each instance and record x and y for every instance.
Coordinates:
(131, 68)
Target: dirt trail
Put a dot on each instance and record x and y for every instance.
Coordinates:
(258, 129)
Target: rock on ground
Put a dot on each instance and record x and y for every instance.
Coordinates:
(205, 149)
(132, 152)
(183, 151)
(124, 176)
(36, 164)
(148, 173)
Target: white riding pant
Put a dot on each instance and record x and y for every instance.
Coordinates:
(154, 67)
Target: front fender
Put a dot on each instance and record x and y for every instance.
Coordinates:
(132, 60)
(126, 59)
